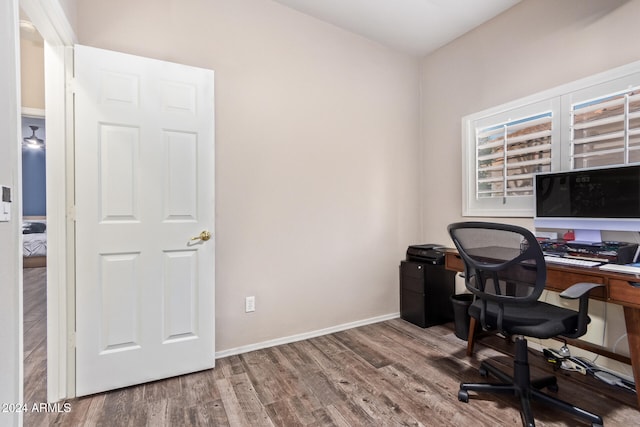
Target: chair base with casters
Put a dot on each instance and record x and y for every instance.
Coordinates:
(521, 385)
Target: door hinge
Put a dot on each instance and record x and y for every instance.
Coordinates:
(71, 213)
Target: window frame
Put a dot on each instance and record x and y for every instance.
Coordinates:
(584, 95)
(513, 205)
(559, 101)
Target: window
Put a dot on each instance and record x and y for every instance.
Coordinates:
(606, 131)
(588, 123)
(510, 153)
(504, 151)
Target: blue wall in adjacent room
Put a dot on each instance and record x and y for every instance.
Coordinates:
(33, 172)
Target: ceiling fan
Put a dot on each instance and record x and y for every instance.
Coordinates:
(33, 141)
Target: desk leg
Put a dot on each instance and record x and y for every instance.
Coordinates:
(632, 322)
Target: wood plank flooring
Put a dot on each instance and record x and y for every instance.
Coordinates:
(387, 374)
(35, 333)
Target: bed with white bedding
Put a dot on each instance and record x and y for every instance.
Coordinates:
(34, 236)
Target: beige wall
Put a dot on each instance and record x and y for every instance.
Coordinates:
(32, 73)
(536, 45)
(317, 136)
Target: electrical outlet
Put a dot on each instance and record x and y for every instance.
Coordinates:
(249, 304)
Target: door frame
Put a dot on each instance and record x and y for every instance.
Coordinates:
(51, 21)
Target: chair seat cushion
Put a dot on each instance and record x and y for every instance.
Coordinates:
(539, 320)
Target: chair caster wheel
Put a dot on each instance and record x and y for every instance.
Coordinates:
(463, 396)
(483, 372)
(553, 388)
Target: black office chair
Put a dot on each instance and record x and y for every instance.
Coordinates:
(505, 270)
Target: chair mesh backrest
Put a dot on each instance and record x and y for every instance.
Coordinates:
(503, 263)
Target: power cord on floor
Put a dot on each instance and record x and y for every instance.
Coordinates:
(584, 366)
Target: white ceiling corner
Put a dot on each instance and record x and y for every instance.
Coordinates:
(417, 27)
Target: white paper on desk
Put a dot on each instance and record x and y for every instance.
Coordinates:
(591, 236)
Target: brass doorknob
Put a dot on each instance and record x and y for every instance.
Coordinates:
(204, 236)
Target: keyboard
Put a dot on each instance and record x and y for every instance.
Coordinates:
(621, 268)
(571, 261)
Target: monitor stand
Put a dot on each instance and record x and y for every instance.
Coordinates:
(588, 236)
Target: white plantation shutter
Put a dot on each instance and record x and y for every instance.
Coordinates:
(591, 122)
(606, 131)
(504, 151)
(509, 154)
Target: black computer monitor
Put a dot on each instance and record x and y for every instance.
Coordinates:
(589, 199)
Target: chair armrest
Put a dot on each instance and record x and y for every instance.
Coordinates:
(581, 291)
(578, 290)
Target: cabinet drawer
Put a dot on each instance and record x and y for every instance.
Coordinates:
(412, 276)
(559, 280)
(623, 292)
(412, 269)
(453, 262)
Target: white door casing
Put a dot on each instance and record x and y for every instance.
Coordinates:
(144, 154)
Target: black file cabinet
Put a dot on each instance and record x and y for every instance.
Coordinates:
(425, 292)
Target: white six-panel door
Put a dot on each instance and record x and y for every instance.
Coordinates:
(144, 162)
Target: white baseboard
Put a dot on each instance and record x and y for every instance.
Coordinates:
(303, 336)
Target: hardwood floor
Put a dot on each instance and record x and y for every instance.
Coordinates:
(35, 333)
(387, 374)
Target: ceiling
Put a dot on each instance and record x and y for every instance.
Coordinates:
(417, 27)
